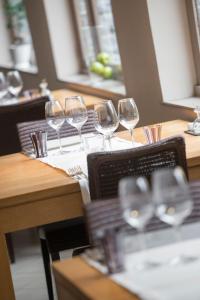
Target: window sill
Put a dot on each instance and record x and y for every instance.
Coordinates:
(189, 103)
(27, 69)
(104, 88)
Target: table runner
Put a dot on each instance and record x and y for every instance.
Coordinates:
(76, 157)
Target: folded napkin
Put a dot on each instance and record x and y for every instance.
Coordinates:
(74, 157)
(85, 192)
(180, 282)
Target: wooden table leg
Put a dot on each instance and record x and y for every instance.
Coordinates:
(6, 285)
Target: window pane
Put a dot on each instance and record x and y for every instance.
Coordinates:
(21, 47)
(104, 17)
(98, 36)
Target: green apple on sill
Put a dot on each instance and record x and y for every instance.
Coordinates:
(103, 58)
(97, 68)
(108, 72)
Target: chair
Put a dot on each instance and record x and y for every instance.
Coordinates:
(24, 130)
(107, 168)
(107, 214)
(63, 235)
(10, 115)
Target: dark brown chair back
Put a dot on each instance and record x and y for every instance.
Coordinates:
(103, 215)
(105, 169)
(24, 130)
(10, 115)
(107, 214)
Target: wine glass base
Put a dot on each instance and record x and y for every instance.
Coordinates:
(147, 265)
(183, 259)
(58, 152)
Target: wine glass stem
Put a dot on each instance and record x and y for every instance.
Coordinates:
(132, 137)
(81, 140)
(177, 230)
(59, 139)
(109, 142)
(142, 242)
(141, 239)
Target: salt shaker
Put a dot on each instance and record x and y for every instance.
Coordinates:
(39, 141)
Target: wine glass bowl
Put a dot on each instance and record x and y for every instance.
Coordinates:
(55, 117)
(139, 212)
(56, 122)
(128, 114)
(76, 114)
(172, 196)
(174, 212)
(15, 83)
(135, 201)
(106, 119)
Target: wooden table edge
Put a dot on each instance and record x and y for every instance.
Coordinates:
(76, 282)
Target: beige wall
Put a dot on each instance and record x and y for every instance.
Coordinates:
(137, 53)
(173, 48)
(62, 37)
(139, 62)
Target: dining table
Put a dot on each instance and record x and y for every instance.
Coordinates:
(59, 94)
(33, 194)
(86, 277)
(77, 280)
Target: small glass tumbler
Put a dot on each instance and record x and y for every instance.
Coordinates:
(112, 245)
(39, 141)
(94, 143)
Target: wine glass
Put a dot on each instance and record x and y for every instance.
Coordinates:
(128, 115)
(106, 119)
(15, 83)
(173, 202)
(55, 117)
(76, 114)
(196, 123)
(138, 209)
(3, 86)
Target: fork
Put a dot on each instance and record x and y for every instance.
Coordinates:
(76, 172)
(77, 169)
(72, 173)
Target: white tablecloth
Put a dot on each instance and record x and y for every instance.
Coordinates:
(167, 282)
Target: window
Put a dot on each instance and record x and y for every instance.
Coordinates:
(98, 38)
(85, 52)
(197, 4)
(20, 44)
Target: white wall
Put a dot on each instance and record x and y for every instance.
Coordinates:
(170, 30)
(62, 37)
